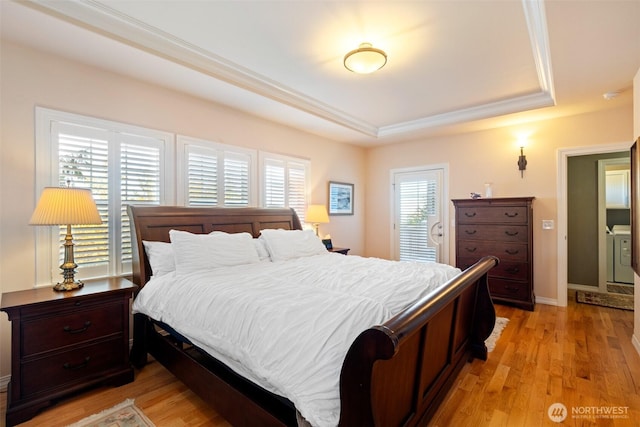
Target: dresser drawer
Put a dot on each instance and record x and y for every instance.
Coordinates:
(502, 233)
(505, 270)
(491, 214)
(76, 364)
(505, 251)
(508, 289)
(48, 333)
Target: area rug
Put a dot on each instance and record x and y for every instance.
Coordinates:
(624, 302)
(620, 289)
(490, 342)
(124, 414)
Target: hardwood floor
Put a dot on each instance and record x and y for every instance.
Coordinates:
(580, 356)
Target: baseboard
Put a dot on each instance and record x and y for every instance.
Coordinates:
(547, 301)
(636, 342)
(4, 382)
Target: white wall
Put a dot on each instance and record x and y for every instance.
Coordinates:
(31, 78)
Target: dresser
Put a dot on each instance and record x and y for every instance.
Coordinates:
(502, 227)
(62, 342)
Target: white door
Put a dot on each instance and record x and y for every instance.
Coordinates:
(417, 221)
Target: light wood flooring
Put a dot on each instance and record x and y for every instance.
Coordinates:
(580, 356)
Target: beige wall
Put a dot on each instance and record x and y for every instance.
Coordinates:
(31, 78)
(491, 156)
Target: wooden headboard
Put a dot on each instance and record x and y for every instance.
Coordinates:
(152, 223)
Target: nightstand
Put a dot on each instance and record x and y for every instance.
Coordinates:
(342, 251)
(62, 342)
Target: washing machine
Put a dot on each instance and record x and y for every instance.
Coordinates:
(622, 271)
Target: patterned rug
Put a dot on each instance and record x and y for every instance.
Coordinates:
(623, 302)
(620, 289)
(124, 414)
(490, 342)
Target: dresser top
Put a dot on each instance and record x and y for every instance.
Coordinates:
(496, 200)
(46, 294)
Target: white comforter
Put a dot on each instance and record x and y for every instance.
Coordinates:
(287, 325)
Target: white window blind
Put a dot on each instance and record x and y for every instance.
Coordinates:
(285, 182)
(212, 174)
(120, 164)
(417, 202)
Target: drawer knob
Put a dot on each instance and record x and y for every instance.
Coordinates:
(470, 214)
(80, 365)
(79, 330)
(470, 231)
(511, 288)
(511, 251)
(511, 215)
(512, 270)
(470, 249)
(511, 233)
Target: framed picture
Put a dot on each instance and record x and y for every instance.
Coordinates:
(340, 198)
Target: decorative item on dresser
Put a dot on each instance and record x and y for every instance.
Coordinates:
(502, 227)
(64, 342)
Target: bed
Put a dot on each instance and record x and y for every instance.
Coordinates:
(393, 373)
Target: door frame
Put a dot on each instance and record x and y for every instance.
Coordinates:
(444, 203)
(563, 159)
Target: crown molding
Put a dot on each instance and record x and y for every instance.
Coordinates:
(98, 17)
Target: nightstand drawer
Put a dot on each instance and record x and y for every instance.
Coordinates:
(47, 333)
(77, 364)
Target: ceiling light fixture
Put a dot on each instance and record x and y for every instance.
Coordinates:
(365, 59)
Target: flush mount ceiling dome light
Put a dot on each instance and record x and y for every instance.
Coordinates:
(365, 59)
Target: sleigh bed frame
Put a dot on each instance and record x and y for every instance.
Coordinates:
(394, 374)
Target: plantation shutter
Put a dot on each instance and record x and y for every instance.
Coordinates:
(418, 200)
(119, 169)
(140, 182)
(237, 167)
(285, 183)
(212, 174)
(202, 177)
(83, 154)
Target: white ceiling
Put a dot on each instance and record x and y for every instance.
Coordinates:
(453, 66)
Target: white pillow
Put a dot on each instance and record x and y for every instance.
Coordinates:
(160, 255)
(193, 252)
(288, 244)
(263, 253)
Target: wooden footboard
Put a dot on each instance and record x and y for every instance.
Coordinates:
(398, 373)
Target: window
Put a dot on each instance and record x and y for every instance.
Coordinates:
(211, 174)
(284, 182)
(120, 164)
(123, 165)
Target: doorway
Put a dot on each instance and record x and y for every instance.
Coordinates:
(563, 199)
(419, 229)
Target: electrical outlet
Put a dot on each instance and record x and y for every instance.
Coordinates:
(547, 224)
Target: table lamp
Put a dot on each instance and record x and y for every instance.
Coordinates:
(66, 206)
(316, 214)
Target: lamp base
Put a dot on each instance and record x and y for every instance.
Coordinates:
(68, 286)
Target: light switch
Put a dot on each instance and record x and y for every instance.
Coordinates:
(547, 224)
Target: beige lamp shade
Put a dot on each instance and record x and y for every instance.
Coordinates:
(64, 206)
(317, 214)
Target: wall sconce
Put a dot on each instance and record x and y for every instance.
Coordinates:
(522, 162)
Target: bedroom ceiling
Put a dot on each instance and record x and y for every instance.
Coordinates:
(453, 66)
